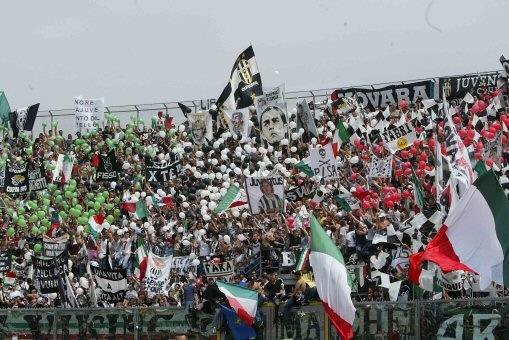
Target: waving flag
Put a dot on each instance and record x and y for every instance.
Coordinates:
(331, 279)
(97, 224)
(233, 198)
(243, 300)
(474, 237)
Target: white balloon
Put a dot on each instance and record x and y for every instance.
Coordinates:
(293, 125)
(244, 214)
(186, 243)
(180, 230)
(113, 185)
(182, 128)
(197, 174)
(70, 275)
(195, 262)
(284, 141)
(28, 256)
(295, 136)
(226, 238)
(84, 282)
(236, 213)
(314, 140)
(237, 171)
(79, 291)
(206, 217)
(212, 205)
(185, 204)
(182, 215)
(246, 172)
(143, 194)
(79, 229)
(137, 194)
(192, 256)
(293, 149)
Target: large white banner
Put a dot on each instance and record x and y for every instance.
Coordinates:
(323, 163)
(157, 274)
(89, 113)
(399, 137)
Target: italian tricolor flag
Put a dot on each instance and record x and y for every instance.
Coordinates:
(474, 237)
(331, 279)
(140, 261)
(97, 224)
(243, 300)
(341, 136)
(232, 199)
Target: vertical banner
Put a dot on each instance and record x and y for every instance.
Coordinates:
(266, 195)
(272, 116)
(323, 163)
(89, 113)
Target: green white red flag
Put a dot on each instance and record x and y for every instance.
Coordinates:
(244, 301)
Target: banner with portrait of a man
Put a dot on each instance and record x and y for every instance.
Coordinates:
(239, 122)
(272, 115)
(266, 195)
(200, 126)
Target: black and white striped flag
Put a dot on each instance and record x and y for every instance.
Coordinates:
(244, 85)
(23, 119)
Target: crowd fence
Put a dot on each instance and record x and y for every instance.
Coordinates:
(486, 318)
(145, 112)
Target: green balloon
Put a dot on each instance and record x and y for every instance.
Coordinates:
(22, 222)
(29, 151)
(101, 199)
(45, 222)
(116, 212)
(11, 232)
(106, 194)
(10, 211)
(78, 207)
(33, 218)
(41, 214)
(59, 199)
(116, 200)
(91, 212)
(68, 194)
(58, 192)
(110, 219)
(21, 210)
(38, 247)
(43, 230)
(97, 206)
(82, 220)
(35, 230)
(46, 202)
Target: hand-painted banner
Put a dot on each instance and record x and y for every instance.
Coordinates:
(221, 269)
(399, 137)
(323, 163)
(89, 113)
(300, 192)
(37, 178)
(113, 283)
(162, 172)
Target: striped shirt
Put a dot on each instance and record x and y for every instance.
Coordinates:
(270, 204)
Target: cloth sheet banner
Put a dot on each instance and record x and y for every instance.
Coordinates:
(89, 113)
(113, 283)
(265, 194)
(399, 137)
(323, 163)
(16, 178)
(162, 172)
(221, 269)
(54, 246)
(371, 98)
(37, 178)
(380, 167)
(158, 274)
(455, 88)
(272, 115)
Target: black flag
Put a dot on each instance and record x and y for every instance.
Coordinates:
(245, 83)
(185, 109)
(23, 119)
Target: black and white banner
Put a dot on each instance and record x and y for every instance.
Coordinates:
(323, 163)
(16, 178)
(48, 272)
(108, 167)
(399, 137)
(5, 261)
(381, 167)
(54, 246)
(306, 190)
(370, 98)
(455, 88)
(37, 178)
(221, 269)
(89, 113)
(272, 115)
(162, 172)
(245, 83)
(113, 283)
(265, 195)
(158, 274)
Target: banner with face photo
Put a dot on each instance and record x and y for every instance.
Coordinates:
(266, 195)
(305, 120)
(397, 138)
(238, 122)
(323, 163)
(16, 178)
(380, 167)
(37, 178)
(272, 115)
(162, 172)
(89, 113)
(200, 126)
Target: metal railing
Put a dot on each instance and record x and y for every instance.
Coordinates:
(486, 318)
(65, 117)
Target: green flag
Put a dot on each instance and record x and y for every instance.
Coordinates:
(5, 109)
(141, 209)
(305, 168)
(480, 168)
(420, 199)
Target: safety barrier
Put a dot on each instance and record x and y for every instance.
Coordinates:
(486, 318)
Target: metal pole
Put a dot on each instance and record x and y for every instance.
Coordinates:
(418, 319)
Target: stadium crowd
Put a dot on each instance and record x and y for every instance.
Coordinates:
(187, 225)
